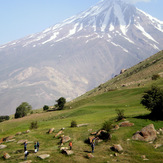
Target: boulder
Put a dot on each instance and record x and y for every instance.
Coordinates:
(1, 140)
(65, 139)
(8, 138)
(81, 125)
(67, 152)
(21, 141)
(116, 127)
(50, 130)
(6, 156)
(18, 133)
(89, 156)
(64, 148)
(117, 148)
(59, 133)
(43, 156)
(147, 133)
(3, 146)
(28, 161)
(126, 124)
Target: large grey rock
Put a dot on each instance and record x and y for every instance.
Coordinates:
(6, 156)
(43, 156)
(147, 133)
(117, 148)
(65, 139)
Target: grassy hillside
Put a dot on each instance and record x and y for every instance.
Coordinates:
(95, 107)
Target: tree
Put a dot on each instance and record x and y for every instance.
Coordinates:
(153, 101)
(60, 103)
(22, 110)
(45, 107)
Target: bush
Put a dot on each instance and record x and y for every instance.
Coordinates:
(107, 125)
(4, 118)
(45, 108)
(120, 114)
(155, 77)
(34, 125)
(153, 101)
(22, 110)
(73, 124)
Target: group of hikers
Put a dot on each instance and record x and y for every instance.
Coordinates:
(36, 149)
(37, 145)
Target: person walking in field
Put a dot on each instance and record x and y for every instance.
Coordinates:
(38, 145)
(35, 147)
(26, 154)
(25, 146)
(93, 145)
(70, 145)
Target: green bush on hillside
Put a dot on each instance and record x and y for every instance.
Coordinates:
(45, 108)
(153, 101)
(120, 114)
(22, 110)
(4, 118)
(34, 125)
(107, 125)
(73, 123)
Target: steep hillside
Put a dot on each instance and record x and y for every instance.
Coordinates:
(139, 75)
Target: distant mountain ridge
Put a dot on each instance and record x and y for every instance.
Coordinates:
(76, 55)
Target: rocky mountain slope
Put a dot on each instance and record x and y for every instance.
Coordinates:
(76, 55)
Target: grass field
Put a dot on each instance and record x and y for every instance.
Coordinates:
(95, 111)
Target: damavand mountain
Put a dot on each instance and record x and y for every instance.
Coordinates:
(76, 55)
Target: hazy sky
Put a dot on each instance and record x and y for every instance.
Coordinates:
(20, 18)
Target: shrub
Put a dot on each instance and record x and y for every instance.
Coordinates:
(155, 77)
(107, 125)
(34, 125)
(120, 114)
(73, 124)
(4, 118)
(45, 108)
(153, 101)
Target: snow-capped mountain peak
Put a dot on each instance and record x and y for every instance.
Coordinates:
(77, 54)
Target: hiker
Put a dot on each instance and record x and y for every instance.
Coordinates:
(70, 144)
(26, 154)
(93, 144)
(35, 147)
(25, 146)
(38, 145)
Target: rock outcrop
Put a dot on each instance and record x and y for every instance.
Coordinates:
(147, 133)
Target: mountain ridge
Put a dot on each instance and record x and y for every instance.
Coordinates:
(76, 55)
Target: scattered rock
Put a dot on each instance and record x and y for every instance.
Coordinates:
(8, 138)
(67, 152)
(50, 130)
(59, 133)
(157, 146)
(1, 140)
(99, 132)
(3, 146)
(117, 148)
(122, 71)
(65, 139)
(18, 133)
(64, 148)
(28, 131)
(6, 156)
(126, 124)
(93, 133)
(144, 157)
(81, 125)
(43, 156)
(147, 133)
(28, 161)
(116, 127)
(89, 156)
(21, 141)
